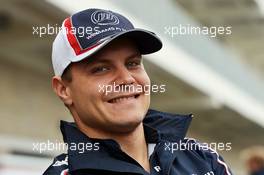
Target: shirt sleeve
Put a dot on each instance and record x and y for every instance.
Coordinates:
(218, 164)
(216, 161)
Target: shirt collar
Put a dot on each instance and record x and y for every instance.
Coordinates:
(170, 127)
(157, 125)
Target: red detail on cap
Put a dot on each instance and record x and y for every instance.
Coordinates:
(73, 40)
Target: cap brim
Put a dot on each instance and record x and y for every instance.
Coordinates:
(146, 41)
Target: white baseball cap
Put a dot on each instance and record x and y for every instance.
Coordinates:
(86, 32)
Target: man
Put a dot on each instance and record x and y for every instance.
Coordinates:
(254, 160)
(255, 165)
(123, 135)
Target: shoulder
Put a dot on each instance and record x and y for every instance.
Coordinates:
(208, 153)
(59, 166)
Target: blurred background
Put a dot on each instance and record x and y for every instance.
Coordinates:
(218, 79)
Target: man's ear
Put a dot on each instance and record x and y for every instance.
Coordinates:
(62, 90)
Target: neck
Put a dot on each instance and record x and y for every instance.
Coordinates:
(130, 142)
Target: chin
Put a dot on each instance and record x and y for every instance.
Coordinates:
(127, 123)
(127, 127)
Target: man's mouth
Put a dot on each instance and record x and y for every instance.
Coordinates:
(123, 98)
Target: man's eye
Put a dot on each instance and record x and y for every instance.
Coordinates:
(99, 69)
(133, 64)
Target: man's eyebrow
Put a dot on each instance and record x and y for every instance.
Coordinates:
(94, 60)
(91, 60)
(134, 55)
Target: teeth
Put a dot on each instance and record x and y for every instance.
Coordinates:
(121, 99)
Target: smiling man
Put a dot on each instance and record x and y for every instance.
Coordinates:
(120, 133)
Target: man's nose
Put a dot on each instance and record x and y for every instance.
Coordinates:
(124, 76)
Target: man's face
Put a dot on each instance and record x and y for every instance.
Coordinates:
(255, 164)
(120, 63)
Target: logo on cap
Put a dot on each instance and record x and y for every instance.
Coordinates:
(102, 17)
